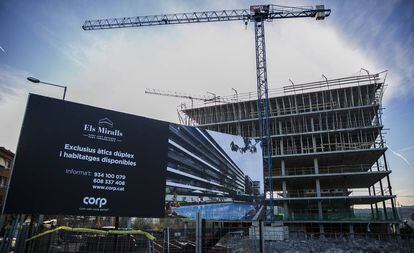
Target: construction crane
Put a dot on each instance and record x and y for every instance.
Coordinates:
(206, 99)
(257, 14)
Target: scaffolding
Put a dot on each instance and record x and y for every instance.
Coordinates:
(328, 148)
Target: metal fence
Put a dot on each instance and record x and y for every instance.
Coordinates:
(91, 234)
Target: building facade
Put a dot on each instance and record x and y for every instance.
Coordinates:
(328, 152)
(6, 163)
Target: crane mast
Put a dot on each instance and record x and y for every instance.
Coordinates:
(257, 14)
(260, 14)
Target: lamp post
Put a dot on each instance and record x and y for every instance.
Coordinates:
(326, 79)
(35, 80)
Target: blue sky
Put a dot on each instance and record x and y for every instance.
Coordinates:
(111, 69)
(248, 162)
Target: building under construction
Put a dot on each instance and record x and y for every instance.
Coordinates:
(328, 152)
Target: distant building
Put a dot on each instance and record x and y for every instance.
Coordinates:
(248, 185)
(256, 188)
(6, 161)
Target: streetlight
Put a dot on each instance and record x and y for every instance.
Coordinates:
(236, 94)
(35, 80)
(293, 84)
(365, 71)
(326, 79)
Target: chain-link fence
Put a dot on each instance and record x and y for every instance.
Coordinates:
(91, 234)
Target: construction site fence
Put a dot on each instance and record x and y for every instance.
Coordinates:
(174, 235)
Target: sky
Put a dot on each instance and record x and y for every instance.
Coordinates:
(112, 68)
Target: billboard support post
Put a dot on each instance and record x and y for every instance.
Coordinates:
(8, 237)
(168, 240)
(2, 218)
(116, 236)
(129, 223)
(261, 239)
(198, 233)
(32, 229)
(116, 222)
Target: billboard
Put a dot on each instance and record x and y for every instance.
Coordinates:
(81, 160)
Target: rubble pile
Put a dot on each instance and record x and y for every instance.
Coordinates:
(334, 246)
(342, 245)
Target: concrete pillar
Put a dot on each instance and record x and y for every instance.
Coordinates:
(283, 168)
(321, 231)
(280, 127)
(389, 231)
(129, 222)
(281, 146)
(284, 188)
(314, 144)
(376, 204)
(318, 188)
(313, 137)
(397, 231)
(316, 165)
(286, 210)
(351, 231)
(312, 125)
(320, 213)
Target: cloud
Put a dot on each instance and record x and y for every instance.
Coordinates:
(12, 110)
(197, 58)
(298, 49)
(14, 89)
(384, 33)
(11, 81)
(406, 149)
(401, 157)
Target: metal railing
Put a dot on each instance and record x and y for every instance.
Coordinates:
(296, 171)
(326, 147)
(339, 217)
(335, 192)
(318, 86)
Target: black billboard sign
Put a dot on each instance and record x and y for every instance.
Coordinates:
(82, 160)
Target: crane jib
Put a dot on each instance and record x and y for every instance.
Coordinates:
(205, 16)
